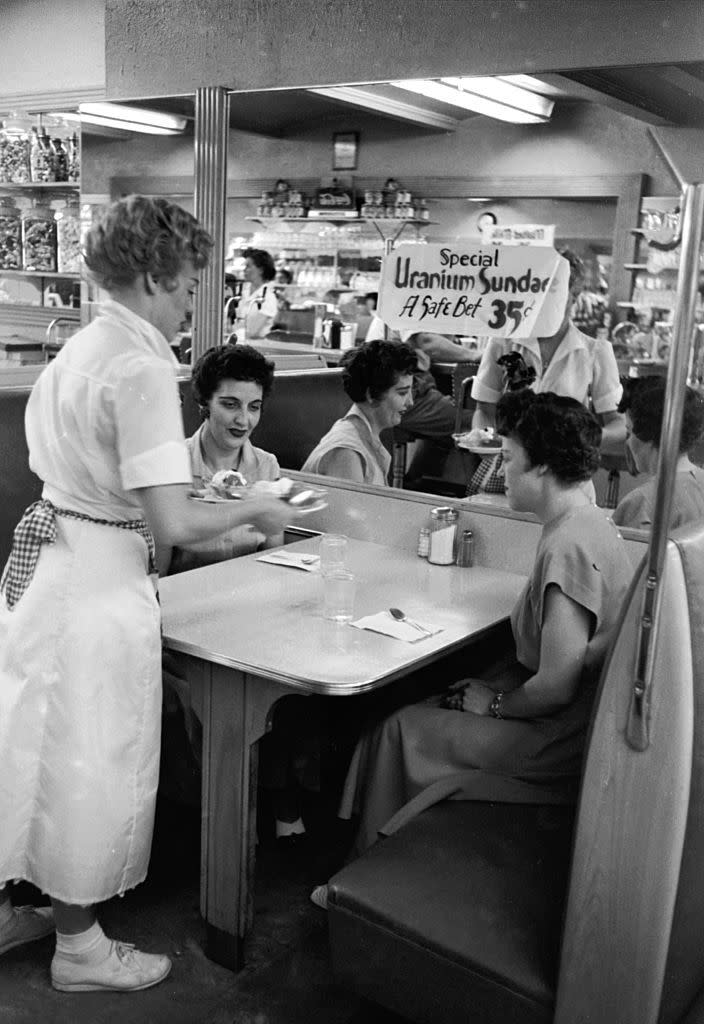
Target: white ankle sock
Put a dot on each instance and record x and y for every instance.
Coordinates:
(290, 828)
(91, 946)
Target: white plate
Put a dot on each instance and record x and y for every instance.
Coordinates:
(214, 499)
(314, 506)
(479, 449)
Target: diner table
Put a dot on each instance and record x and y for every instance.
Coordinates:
(247, 633)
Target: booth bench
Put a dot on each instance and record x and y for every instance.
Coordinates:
(508, 914)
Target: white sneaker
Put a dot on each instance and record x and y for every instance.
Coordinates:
(27, 925)
(125, 969)
(319, 896)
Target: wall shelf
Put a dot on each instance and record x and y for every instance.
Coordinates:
(65, 275)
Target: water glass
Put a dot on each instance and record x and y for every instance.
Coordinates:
(333, 552)
(338, 595)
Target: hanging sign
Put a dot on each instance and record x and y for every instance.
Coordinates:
(461, 288)
(523, 234)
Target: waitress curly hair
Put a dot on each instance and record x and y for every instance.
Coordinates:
(144, 235)
(555, 431)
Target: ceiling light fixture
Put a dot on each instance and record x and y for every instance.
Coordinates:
(132, 119)
(489, 96)
(388, 105)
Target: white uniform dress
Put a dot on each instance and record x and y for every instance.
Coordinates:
(80, 652)
(261, 300)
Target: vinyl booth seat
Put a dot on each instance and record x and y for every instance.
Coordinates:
(459, 911)
(519, 914)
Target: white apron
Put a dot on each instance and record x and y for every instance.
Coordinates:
(80, 710)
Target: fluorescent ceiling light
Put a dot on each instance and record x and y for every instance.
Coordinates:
(488, 96)
(388, 105)
(133, 119)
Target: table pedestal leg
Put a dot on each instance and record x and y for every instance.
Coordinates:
(235, 714)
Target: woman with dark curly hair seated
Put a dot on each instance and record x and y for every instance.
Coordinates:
(230, 384)
(520, 737)
(644, 405)
(378, 377)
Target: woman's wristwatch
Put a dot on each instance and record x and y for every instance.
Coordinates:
(495, 706)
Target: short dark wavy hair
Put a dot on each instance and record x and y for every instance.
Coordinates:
(263, 261)
(555, 431)
(644, 401)
(374, 367)
(578, 270)
(230, 362)
(139, 235)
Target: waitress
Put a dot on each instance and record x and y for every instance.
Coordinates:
(258, 309)
(80, 658)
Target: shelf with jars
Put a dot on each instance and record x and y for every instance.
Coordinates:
(40, 228)
(657, 261)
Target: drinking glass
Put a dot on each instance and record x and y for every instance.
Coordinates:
(333, 552)
(338, 595)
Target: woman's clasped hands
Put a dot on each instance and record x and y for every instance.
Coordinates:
(469, 695)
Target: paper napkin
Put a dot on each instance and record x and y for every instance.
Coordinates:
(292, 559)
(385, 623)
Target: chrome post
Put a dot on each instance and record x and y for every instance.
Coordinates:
(212, 116)
(683, 334)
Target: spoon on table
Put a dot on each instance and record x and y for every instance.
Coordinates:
(400, 616)
(302, 559)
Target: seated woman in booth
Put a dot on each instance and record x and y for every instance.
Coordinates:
(644, 405)
(230, 384)
(378, 377)
(520, 737)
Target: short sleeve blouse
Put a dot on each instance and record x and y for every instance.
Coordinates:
(104, 418)
(583, 368)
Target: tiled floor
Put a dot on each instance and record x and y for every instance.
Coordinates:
(287, 979)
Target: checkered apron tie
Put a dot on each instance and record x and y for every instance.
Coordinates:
(38, 526)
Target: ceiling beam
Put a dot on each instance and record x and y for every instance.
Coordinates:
(595, 87)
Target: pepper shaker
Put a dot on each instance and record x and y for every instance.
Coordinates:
(465, 552)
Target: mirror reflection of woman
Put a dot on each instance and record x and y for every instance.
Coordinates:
(644, 406)
(230, 384)
(378, 377)
(257, 310)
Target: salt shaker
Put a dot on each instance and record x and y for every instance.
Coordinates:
(443, 531)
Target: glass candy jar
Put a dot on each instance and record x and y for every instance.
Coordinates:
(39, 239)
(10, 236)
(68, 238)
(39, 159)
(73, 148)
(14, 154)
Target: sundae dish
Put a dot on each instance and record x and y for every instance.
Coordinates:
(478, 438)
(228, 484)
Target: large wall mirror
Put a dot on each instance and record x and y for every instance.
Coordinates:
(583, 170)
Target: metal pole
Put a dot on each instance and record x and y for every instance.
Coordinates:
(211, 133)
(684, 328)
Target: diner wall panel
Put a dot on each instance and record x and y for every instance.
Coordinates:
(502, 539)
(582, 142)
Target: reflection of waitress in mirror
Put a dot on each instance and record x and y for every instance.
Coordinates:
(486, 222)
